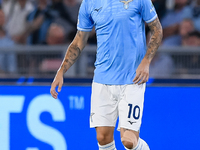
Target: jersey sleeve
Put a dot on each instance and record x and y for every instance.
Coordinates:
(148, 11)
(85, 22)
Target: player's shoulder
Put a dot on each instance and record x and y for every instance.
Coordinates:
(142, 2)
(89, 3)
(145, 1)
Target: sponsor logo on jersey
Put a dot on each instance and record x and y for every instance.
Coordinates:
(126, 3)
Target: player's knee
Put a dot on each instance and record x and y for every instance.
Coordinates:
(100, 138)
(105, 135)
(129, 140)
(104, 139)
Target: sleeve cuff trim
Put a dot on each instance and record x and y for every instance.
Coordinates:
(148, 21)
(81, 29)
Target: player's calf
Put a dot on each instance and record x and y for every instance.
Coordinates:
(131, 141)
(142, 145)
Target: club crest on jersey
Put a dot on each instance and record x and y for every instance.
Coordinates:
(126, 3)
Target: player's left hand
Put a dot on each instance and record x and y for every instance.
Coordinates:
(142, 72)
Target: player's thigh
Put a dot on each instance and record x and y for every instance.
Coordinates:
(104, 110)
(131, 107)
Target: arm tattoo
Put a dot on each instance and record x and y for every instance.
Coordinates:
(79, 33)
(156, 38)
(74, 50)
(72, 55)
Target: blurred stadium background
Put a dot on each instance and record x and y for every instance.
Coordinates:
(34, 36)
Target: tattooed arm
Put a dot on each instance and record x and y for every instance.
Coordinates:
(72, 54)
(142, 72)
(74, 50)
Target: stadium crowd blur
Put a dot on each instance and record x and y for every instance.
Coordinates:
(38, 22)
(53, 22)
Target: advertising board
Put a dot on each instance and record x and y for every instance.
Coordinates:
(30, 119)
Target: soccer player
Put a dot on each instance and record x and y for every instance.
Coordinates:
(121, 67)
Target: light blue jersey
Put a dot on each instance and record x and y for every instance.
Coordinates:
(121, 42)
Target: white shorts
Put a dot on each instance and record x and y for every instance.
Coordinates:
(108, 102)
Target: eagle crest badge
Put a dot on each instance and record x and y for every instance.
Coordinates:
(126, 3)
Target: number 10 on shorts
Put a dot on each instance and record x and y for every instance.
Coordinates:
(134, 111)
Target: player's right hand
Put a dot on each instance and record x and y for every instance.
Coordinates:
(58, 81)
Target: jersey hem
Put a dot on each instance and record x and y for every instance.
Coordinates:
(112, 83)
(81, 29)
(148, 21)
